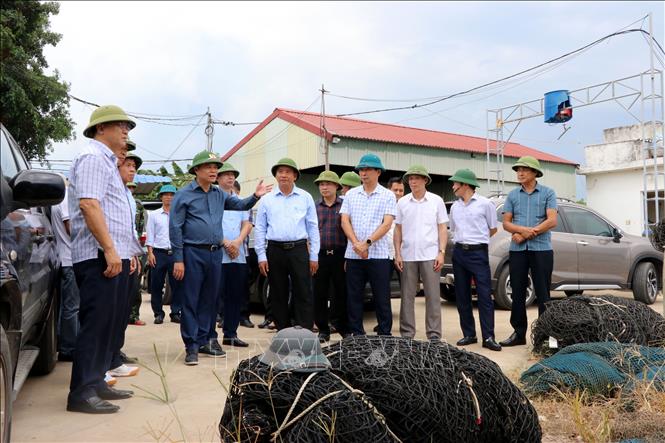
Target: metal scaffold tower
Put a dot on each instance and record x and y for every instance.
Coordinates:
(645, 88)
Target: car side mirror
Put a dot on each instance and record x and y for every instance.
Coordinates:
(37, 188)
(617, 234)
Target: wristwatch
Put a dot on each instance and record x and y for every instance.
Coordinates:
(369, 242)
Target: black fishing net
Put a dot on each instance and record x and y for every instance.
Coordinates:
(380, 389)
(584, 319)
(304, 407)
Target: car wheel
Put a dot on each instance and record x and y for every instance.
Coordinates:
(6, 375)
(448, 293)
(645, 283)
(48, 345)
(168, 294)
(503, 296)
(573, 293)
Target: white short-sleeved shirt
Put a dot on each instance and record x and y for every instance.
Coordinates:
(157, 229)
(367, 212)
(420, 220)
(471, 222)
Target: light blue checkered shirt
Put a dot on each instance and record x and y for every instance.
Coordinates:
(531, 210)
(366, 212)
(94, 174)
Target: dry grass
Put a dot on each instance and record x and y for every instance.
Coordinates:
(573, 417)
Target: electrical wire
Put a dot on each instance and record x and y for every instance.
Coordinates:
(494, 82)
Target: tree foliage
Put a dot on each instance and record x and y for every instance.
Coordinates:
(35, 105)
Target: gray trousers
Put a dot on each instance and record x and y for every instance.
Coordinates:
(414, 272)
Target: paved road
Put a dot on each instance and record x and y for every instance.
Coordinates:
(40, 415)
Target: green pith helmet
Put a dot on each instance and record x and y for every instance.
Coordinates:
(529, 162)
(417, 170)
(106, 114)
(167, 188)
(286, 162)
(296, 349)
(350, 179)
(204, 157)
(137, 160)
(228, 167)
(370, 161)
(131, 145)
(131, 185)
(329, 176)
(465, 176)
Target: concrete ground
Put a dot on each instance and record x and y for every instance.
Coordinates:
(197, 393)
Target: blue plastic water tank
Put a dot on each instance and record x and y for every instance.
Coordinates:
(557, 107)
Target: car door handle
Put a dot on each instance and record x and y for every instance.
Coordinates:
(582, 242)
(39, 239)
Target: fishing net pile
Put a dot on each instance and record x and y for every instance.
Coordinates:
(584, 319)
(380, 389)
(597, 368)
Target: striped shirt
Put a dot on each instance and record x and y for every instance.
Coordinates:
(366, 212)
(94, 175)
(157, 229)
(330, 225)
(531, 210)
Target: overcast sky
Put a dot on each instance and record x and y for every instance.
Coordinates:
(245, 59)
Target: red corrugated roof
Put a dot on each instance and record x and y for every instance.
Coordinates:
(384, 132)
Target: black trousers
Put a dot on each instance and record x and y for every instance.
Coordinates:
(330, 276)
(293, 263)
(101, 314)
(135, 296)
(540, 263)
(358, 273)
(468, 264)
(126, 301)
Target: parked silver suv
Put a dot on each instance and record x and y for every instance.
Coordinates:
(590, 252)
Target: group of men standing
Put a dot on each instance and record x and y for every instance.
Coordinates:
(312, 252)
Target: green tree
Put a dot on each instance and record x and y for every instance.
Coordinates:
(163, 171)
(35, 106)
(177, 170)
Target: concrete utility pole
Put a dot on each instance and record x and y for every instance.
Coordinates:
(324, 132)
(209, 131)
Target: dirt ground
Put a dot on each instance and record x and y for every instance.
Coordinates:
(197, 392)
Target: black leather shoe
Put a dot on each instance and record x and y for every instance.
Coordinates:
(192, 357)
(467, 341)
(235, 341)
(92, 405)
(323, 337)
(489, 343)
(128, 360)
(175, 318)
(376, 328)
(246, 323)
(108, 393)
(264, 324)
(159, 319)
(209, 350)
(514, 340)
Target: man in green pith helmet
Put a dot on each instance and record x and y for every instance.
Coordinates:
(348, 181)
(103, 242)
(530, 212)
(472, 223)
(196, 234)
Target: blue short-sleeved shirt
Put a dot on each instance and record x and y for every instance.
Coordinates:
(232, 224)
(531, 210)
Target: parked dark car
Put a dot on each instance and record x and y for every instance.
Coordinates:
(590, 252)
(29, 273)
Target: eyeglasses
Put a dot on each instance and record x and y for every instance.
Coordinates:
(124, 125)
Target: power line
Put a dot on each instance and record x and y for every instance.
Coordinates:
(461, 93)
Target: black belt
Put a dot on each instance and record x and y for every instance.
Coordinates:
(165, 251)
(286, 245)
(466, 247)
(210, 248)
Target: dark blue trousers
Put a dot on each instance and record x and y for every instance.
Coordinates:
(68, 326)
(199, 289)
(125, 309)
(358, 273)
(468, 264)
(163, 267)
(540, 263)
(100, 313)
(233, 288)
